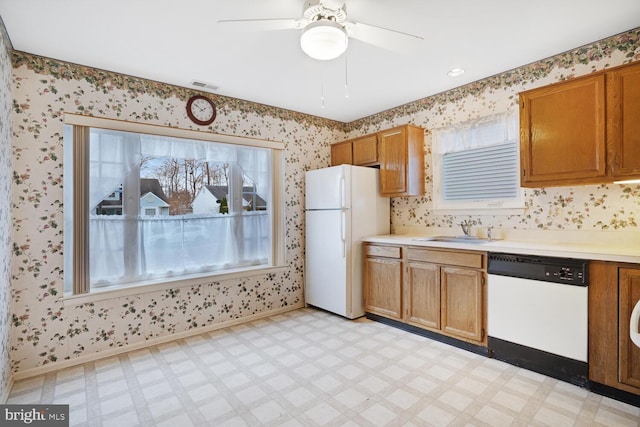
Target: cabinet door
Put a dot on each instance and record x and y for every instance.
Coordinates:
(365, 150)
(629, 354)
(623, 123)
(423, 295)
(462, 302)
(562, 133)
(341, 153)
(383, 287)
(393, 161)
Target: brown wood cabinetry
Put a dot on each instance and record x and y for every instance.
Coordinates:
(563, 132)
(423, 295)
(445, 292)
(365, 151)
(462, 302)
(382, 280)
(442, 290)
(623, 121)
(580, 131)
(402, 161)
(629, 353)
(361, 151)
(614, 360)
(399, 152)
(341, 153)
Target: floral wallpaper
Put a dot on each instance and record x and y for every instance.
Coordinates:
(46, 331)
(610, 207)
(5, 211)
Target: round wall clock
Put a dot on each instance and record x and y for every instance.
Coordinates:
(201, 110)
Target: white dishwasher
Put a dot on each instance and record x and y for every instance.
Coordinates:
(538, 314)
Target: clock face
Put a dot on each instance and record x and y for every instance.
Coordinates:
(201, 110)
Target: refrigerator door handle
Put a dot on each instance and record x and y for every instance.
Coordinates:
(343, 191)
(343, 233)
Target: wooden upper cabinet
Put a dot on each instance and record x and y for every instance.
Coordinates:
(623, 121)
(562, 133)
(341, 153)
(365, 150)
(401, 161)
(582, 131)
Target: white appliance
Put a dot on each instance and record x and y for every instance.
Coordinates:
(343, 205)
(537, 313)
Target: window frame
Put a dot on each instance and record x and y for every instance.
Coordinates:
(78, 238)
(513, 205)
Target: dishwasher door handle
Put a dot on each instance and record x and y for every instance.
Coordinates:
(634, 333)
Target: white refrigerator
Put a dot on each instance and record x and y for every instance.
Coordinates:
(342, 206)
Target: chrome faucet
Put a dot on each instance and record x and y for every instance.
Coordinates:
(466, 226)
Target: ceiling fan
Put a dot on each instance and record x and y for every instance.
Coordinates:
(326, 30)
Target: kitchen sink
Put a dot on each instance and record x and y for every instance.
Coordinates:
(454, 239)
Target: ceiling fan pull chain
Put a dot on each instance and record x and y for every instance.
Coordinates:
(322, 90)
(346, 77)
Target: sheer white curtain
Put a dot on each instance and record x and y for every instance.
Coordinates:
(483, 132)
(477, 136)
(112, 155)
(179, 244)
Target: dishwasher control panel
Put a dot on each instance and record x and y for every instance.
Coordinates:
(565, 274)
(569, 271)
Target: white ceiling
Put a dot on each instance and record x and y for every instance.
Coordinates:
(180, 41)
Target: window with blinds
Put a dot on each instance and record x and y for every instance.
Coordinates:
(476, 164)
(488, 173)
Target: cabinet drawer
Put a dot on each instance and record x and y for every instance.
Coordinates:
(462, 259)
(383, 251)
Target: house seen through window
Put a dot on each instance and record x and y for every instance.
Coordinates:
(164, 207)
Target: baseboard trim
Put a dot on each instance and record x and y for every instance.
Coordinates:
(56, 366)
(614, 393)
(7, 391)
(478, 349)
(563, 368)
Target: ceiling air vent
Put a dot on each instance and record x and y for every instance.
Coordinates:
(204, 85)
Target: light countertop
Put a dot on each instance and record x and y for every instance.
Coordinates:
(597, 249)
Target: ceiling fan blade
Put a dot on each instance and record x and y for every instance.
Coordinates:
(385, 38)
(264, 24)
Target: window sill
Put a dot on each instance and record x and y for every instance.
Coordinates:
(164, 284)
(477, 211)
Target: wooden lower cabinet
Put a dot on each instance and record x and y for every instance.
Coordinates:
(614, 361)
(423, 295)
(462, 296)
(629, 353)
(382, 278)
(442, 290)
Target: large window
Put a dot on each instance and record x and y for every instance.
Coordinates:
(150, 207)
(476, 164)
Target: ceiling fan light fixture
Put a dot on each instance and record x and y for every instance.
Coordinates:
(324, 40)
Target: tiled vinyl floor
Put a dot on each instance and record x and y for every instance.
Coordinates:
(311, 368)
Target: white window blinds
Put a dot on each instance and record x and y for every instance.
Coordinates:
(476, 164)
(488, 173)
